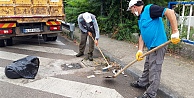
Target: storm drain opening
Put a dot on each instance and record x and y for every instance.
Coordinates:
(71, 66)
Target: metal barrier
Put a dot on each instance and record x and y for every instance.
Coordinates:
(185, 19)
(70, 27)
(188, 41)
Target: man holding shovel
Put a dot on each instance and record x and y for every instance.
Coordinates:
(88, 25)
(152, 34)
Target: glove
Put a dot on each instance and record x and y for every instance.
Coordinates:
(138, 55)
(175, 38)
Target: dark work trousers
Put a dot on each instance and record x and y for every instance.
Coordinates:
(83, 43)
(152, 71)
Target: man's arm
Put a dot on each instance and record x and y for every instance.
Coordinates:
(96, 27)
(172, 18)
(141, 43)
(140, 49)
(173, 22)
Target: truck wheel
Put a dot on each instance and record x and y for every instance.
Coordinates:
(53, 38)
(45, 38)
(9, 42)
(2, 43)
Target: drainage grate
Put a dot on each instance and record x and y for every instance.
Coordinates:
(71, 66)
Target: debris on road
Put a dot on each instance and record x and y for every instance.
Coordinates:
(71, 66)
(91, 76)
(125, 75)
(97, 72)
(99, 63)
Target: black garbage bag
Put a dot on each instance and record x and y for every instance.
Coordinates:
(23, 68)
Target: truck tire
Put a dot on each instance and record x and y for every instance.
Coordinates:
(2, 43)
(45, 37)
(9, 42)
(53, 38)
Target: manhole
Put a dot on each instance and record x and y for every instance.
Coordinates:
(71, 66)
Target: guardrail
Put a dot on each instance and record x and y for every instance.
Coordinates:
(70, 27)
(188, 41)
(185, 20)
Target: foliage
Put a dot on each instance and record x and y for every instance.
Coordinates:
(183, 33)
(73, 8)
(111, 15)
(114, 20)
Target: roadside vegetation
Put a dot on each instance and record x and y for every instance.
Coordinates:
(113, 19)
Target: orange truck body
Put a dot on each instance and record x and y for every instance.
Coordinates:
(30, 17)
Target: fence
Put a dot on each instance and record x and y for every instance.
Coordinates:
(185, 19)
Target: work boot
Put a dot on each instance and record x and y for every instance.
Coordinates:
(144, 96)
(79, 54)
(90, 56)
(136, 85)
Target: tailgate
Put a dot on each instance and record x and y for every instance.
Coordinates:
(26, 9)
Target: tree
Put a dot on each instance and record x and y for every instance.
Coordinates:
(113, 19)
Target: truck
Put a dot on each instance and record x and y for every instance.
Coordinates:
(24, 18)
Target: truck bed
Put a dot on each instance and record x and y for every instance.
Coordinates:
(25, 11)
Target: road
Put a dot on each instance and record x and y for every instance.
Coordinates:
(61, 74)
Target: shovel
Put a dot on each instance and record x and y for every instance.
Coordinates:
(105, 68)
(131, 63)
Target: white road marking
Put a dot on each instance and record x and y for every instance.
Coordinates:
(73, 89)
(48, 67)
(45, 49)
(57, 42)
(64, 87)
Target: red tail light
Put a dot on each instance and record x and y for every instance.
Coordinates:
(54, 28)
(6, 31)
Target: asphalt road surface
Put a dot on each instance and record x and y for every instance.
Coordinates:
(61, 74)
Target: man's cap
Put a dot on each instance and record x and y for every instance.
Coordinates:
(131, 3)
(87, 17)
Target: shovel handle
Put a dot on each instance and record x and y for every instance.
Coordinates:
(100, 51)
(131, 63)
(156, 48)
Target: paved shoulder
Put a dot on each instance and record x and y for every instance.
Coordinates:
(51, 64)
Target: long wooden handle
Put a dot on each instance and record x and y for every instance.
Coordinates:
(100, 51)
(131, 63)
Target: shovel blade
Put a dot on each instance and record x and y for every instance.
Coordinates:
(106, 68)
(109, 77)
